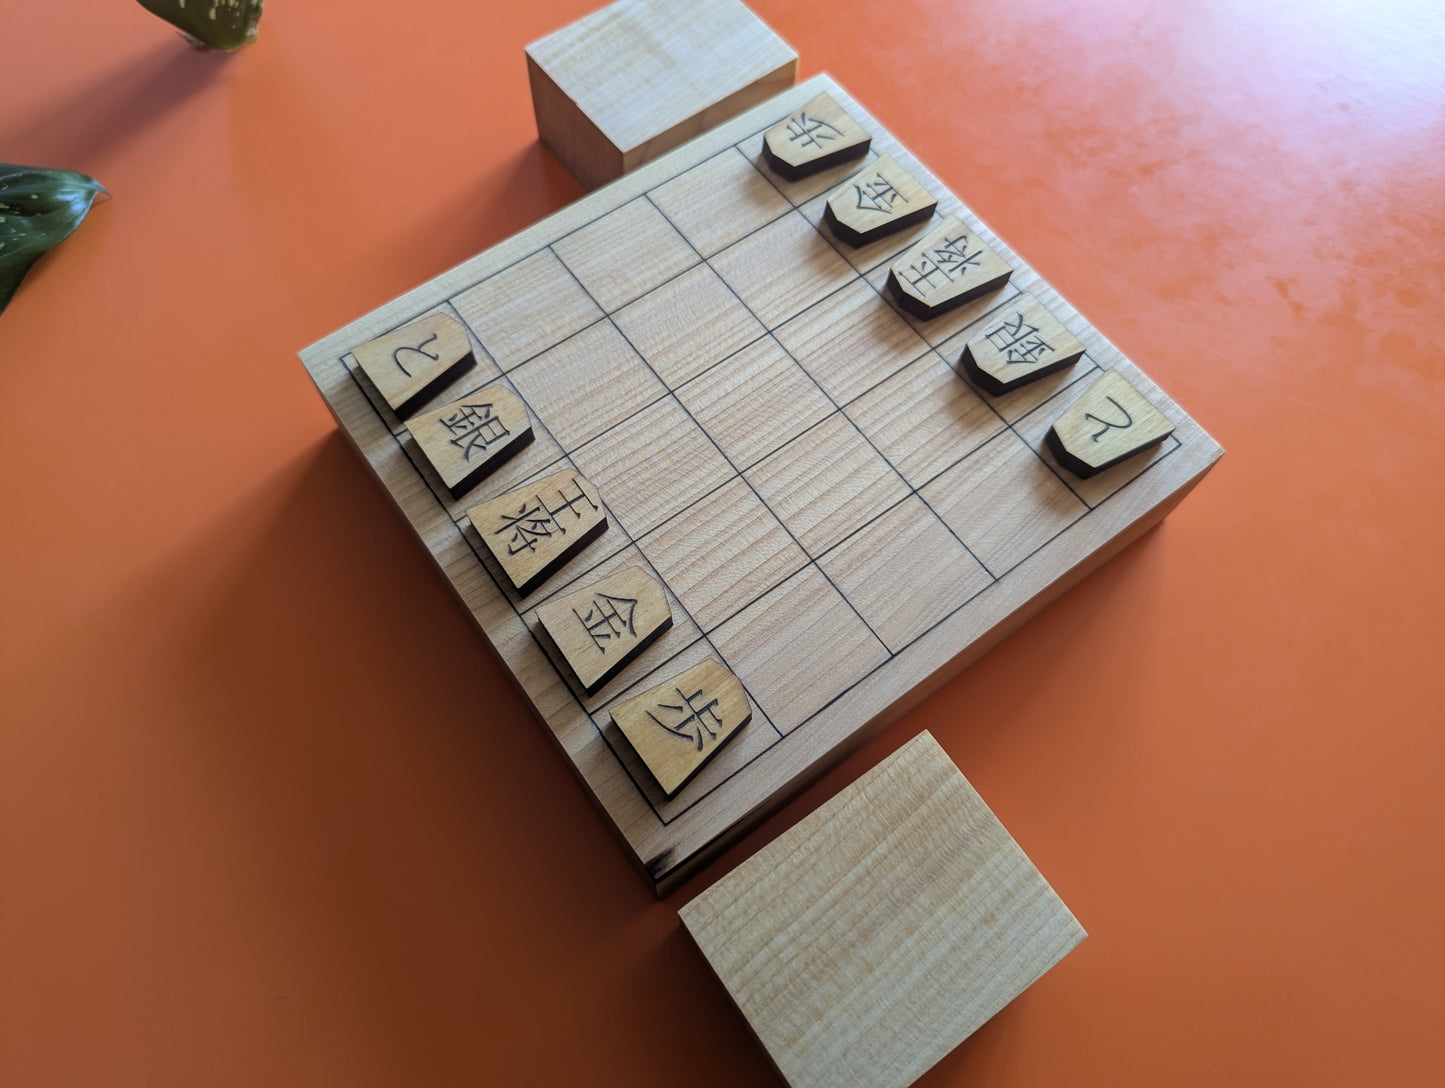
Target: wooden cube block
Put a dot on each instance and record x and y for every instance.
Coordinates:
(876, 935)
(881, 199)
(599, 629)
(473, 436)
(679, 725)
(412, 363)
(1110, 422)
(818, 137)
(949, 266)
(1021, 343)
(533, 531)
(639, 77)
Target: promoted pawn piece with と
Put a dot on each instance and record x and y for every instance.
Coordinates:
(599, 629)
(949, 266)
(816, 138)
(1020, 343)
(412, 363)
(533, 531)
(679, 725)
(472, 437)
(1112, 421)
(880, 200)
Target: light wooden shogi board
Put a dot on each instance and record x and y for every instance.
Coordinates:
(836, 514)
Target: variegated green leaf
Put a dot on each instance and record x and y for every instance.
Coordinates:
(38, 210)
(219, 24)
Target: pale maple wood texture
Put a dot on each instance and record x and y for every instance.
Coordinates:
(1110, 423)
(409, 364)
(680, 724)
(533, 531)
(599, 629)
(635, 79)
(877, 934)
(834, 512)
(819, 136)
(882, 199)
(471, 437)
(947, 268)
(1022, 343)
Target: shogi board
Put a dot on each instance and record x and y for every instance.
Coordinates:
(834, 511)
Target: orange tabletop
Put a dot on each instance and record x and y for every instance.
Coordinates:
(270, 813)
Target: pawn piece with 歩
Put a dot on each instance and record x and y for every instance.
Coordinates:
(677, 726)
(879, 200)
(816, 138)
(1111, 422)
(411, 364)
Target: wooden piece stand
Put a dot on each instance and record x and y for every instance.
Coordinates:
(833, 511)
(625, 84)
(880, 932)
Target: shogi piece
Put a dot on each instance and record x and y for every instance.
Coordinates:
(411, 364)
(876, 935)
(623, 85)
(533, 531)
(818, 137)
(1020, 344)
(599, 629)
(947, 268)
(881, 199)
(679, 725)
(473, 436)
(1110, 422)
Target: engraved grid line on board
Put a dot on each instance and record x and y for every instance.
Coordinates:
(786, 527)
(630, 542)
(705, 634)
(858, 274)
(863, 274)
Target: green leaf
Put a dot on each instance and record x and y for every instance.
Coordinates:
(218, 24)
(38, 210)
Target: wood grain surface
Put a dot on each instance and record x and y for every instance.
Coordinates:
(836, 514)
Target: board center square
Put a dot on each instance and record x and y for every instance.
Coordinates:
(826, 482)
(755, 402)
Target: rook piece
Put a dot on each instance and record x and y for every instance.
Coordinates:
(947, 268)
(409, 365)
(883, 929)
(1021, 343)
(598, 630)
(881, 199)
(678, 726)
(534, 530)
(1110, 422)
(473, 436)
(817, 137)
(624, 84)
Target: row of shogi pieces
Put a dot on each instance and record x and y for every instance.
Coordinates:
(677, 726)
